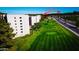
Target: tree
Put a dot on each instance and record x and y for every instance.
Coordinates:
(6, 35)
(65, 19)
(36, 26)
(77, 21)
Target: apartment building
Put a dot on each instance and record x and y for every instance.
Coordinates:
(3, 16)
(20, 24)
(35, 19)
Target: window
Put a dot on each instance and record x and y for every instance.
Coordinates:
(16, 32)
(16, 29)
(21, 26)
(20, 17)
(14, 17)
(20, 23)
(15, 26)
(15, 23)
(21, 31)
(20, 20)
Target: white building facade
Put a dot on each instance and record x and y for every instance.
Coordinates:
(35, 19)
(20, 24)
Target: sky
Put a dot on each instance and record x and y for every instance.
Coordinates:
(36, 10)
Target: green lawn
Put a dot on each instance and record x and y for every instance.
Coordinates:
(49, 37)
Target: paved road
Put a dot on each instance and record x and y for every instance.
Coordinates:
(70, 26)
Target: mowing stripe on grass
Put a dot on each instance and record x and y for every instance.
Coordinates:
(34, 44)
(52, 43)
(54, 37)
(39, 46)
